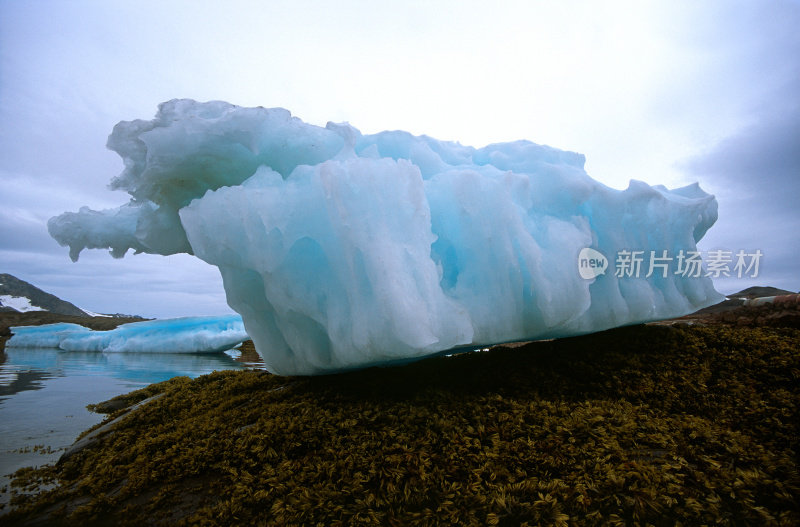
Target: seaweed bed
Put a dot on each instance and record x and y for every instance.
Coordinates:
(639, 425)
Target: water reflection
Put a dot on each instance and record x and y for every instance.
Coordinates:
(25, 369)
(44, 393)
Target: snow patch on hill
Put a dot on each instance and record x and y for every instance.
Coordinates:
(19, 303)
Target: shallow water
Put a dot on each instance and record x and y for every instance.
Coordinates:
(44, 393)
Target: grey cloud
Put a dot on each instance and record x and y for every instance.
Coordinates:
(763, 158)
(756, 174)
(755, 171)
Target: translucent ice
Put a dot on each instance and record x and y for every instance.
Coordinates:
(177, 335)
(344, 250)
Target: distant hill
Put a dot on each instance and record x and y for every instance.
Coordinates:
(736, 300)
(760, 291)
(19, 296)
(23, 304)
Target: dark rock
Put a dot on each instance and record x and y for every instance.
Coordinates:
(92, 438)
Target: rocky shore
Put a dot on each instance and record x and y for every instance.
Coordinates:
(695, 422)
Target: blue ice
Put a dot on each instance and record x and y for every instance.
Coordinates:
(177, 335)
(342, 250)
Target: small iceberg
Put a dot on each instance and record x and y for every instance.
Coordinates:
(176, 335)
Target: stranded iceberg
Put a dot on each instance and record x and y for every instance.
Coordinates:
(177, 335)
(344, 250)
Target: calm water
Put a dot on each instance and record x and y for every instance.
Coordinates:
(44, 393)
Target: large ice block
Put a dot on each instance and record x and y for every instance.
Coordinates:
(342, 250)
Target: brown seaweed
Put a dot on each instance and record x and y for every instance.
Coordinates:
(643, 425)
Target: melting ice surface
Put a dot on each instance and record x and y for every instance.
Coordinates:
(344, 250)
(177, 335)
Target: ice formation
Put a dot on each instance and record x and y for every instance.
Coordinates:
(177, 335)
(344, 250)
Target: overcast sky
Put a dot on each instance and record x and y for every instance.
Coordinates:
(666, 92)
